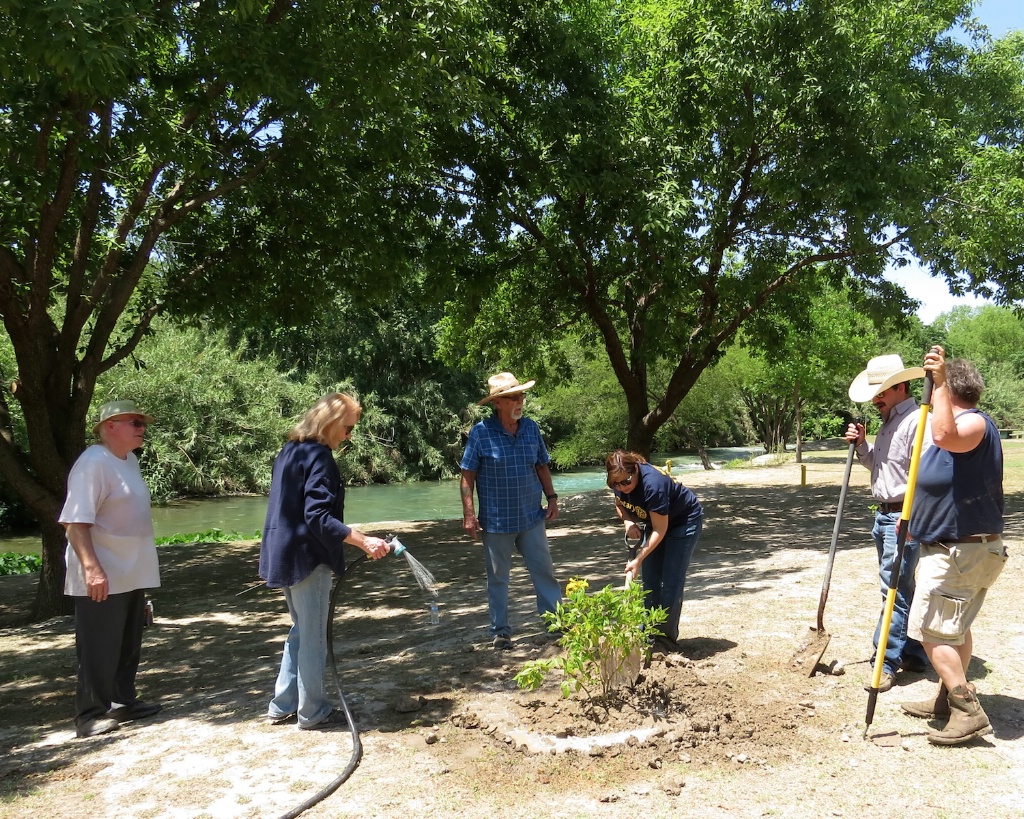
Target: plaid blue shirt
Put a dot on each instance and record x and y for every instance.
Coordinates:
(506, 474)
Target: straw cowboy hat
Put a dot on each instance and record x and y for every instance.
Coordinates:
(504, 384)
(882, 373)
(115, 409)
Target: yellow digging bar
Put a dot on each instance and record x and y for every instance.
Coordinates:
(901, 547)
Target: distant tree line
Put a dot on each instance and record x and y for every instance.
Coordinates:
(225, 399)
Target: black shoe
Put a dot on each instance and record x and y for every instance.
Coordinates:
(95, 727)
(336, 717)
(281, 720)
(137, 710)
(502, 643)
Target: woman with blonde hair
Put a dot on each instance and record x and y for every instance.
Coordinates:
(302, 545)
(668, 517)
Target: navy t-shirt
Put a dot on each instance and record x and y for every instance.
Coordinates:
(657, 492)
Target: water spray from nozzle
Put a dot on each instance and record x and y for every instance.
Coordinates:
(423, 577)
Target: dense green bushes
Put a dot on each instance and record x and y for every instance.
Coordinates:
(221, 417)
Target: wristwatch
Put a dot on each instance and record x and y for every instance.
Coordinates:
(552, 497)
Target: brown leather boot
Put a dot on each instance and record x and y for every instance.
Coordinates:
(935, 708)
(967, 719)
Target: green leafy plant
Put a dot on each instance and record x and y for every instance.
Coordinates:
(213, 535)
(13, 563)
(603, 635)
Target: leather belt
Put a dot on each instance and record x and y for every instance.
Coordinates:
(968, 539)
(890, 508)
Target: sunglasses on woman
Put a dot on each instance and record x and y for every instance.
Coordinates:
(619, 484)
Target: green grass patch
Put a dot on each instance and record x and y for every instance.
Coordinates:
(214, 535)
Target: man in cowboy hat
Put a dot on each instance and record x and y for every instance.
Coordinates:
(507, 463)
(111, 559)
(886, 384)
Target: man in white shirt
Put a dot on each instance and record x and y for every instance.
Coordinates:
(111, 559)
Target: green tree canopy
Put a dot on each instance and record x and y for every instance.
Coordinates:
(652, 175)
(131, 135)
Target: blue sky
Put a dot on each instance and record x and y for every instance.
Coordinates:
(1000, 16)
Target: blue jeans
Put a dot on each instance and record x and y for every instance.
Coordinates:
(300, 682)
(664, 573)
(899, 648)
(532, 544)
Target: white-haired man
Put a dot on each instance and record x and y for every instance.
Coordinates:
(506, 462)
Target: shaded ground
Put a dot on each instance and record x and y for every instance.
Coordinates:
(723, 730)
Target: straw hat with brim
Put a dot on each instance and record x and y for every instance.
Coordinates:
(882, 373)
(504, 384)
(115, 409)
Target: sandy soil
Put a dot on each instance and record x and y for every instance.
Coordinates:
(723, 730)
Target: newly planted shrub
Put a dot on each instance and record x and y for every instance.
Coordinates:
(604, 635)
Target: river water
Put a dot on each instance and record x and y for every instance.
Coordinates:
(424, 500)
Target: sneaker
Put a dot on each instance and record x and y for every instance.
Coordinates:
(336, 717)
(95, 727)
(884, 684)
(281, 720)
(137, 710)
(502, 643)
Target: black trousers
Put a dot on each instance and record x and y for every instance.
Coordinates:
(108, 642)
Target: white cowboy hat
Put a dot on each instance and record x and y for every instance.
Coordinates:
(504, 384)
(882, 373)
(114, 409)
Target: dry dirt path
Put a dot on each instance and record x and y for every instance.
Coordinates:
(726, 731)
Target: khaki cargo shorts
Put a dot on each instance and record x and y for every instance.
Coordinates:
(951, 584)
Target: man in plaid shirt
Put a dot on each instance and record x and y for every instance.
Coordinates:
(507, 463)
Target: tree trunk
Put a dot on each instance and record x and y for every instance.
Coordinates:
(799, 425)
(640, 435)
(50, 598)
(698, 445)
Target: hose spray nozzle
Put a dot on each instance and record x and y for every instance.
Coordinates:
(397, 547)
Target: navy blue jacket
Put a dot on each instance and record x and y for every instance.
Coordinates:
(304, 525)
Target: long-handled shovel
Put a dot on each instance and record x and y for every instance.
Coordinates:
(632, 547)
(814, 643)
(901, 548)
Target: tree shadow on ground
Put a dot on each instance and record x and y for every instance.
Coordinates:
(214, 650)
